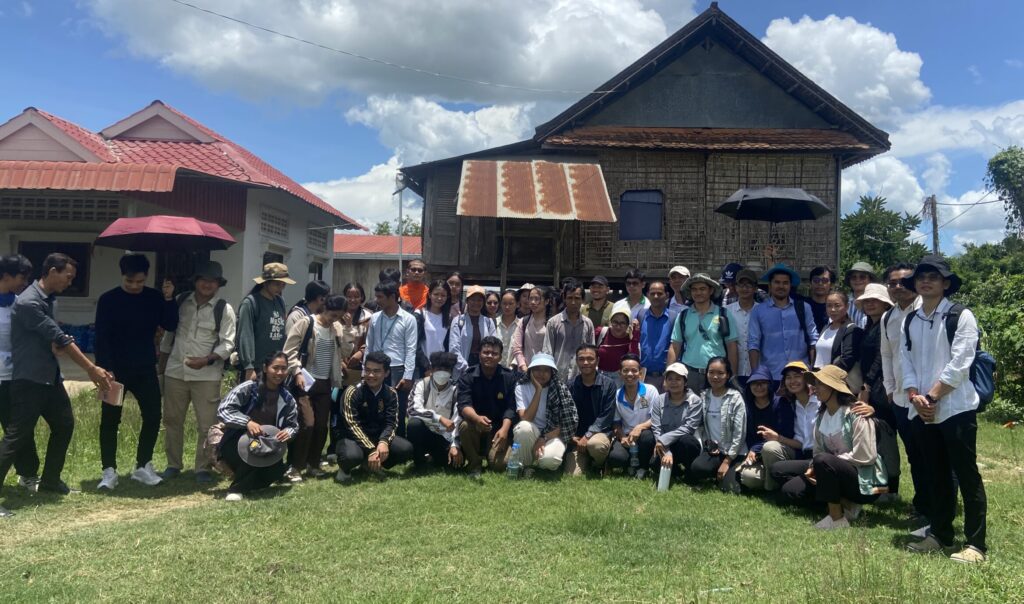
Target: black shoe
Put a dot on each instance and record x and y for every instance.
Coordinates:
(59, 487)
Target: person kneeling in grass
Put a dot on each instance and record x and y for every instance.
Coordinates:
(770, 432)
(725, 427)
(676, 418)
(264, 412)
(847, 470)
(369, 418)
(433, 421)
(632, 423)
(547, 415)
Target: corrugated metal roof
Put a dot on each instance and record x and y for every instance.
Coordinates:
(381, 245)
(82, 176)
(738, 139)
(534, 189)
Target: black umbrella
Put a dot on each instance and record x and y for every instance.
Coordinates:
(773, 204)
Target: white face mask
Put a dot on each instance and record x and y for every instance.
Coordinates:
(441, 378)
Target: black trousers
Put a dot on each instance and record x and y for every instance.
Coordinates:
(145, 386)
(684, 451)
(29, 402)
(424, 441)
(837, 480)
(403, 399)
(619, 455)
(706, 466)
(918, 465)
(351, 455)
(26, 463)
(248, 478)
(792, 469)
(952, 447)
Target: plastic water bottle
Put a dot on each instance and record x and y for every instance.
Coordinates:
(634, 458)
(664, 478)
(515, 465)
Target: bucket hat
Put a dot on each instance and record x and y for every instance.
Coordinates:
(933, 262)
(264, 450)
(543, 360)
(794, 277)
(876, 291)
(212, 270)
(274, 271)
(860, 267)
(716, 288)
(831, 376)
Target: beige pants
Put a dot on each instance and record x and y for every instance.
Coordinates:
(759, 476)
(596, 452)
(526, 435)
(205, 398)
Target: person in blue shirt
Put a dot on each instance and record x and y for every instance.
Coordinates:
(781, 328)
(655, 335)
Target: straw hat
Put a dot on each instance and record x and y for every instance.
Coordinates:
(831, 376)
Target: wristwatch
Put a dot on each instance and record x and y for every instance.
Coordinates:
(931, 399)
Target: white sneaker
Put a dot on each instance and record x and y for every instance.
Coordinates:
(853, 512)
(234, 497)
(828, 524)
(30, 483)
(147, 475)
(109, 480)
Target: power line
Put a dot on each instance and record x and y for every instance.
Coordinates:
(969, 206)
(939, 203)
(385, 62)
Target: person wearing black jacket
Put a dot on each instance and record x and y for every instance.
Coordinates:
(486, 401)
(369, 418)
(874, 302)
(594, 394)
(839, 343)
(127, 320)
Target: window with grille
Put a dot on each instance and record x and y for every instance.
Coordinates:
(317, 237)
(273, 224)
(59, 208)
(641, 214)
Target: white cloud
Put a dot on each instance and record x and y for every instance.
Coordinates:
(367, 198)
(860, 64)
(886, 177)
(555, 44)
(936, 174)
(984, 130)
(983, 223)
(976, 76)
(421, 130)
(1014, 63)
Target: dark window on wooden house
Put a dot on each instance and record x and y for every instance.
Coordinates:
(640, 215)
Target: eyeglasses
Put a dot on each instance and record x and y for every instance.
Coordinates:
(821, 280)
(622, 323)
(894, 283)
(371, 371)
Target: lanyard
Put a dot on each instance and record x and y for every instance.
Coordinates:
(394, 320)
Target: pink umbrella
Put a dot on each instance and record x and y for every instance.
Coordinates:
(164, 233)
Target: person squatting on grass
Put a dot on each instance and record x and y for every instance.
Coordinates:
(547, 415)
(369, 421)
(433, 420)
(260, 418)
(632, 423)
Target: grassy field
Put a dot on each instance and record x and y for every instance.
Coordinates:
(443, 538)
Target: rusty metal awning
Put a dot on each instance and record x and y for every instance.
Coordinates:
(534, 189)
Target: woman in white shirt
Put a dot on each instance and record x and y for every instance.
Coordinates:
(433, 323)
(506, 323)
(433, 419)
(724, 430)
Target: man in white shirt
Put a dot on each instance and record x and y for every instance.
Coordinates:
(746, 288)
(193, 358)
(906, 301)
(393, 331)
(936, 379)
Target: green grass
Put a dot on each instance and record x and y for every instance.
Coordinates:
(443, 538)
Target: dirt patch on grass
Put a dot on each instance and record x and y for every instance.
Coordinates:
(46, 527)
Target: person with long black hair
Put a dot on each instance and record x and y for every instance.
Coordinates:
(433, 324)
(354, 322)
(259, 408)
(528, 338)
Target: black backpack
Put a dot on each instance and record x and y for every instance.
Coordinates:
(984, 366)
(723, 325)
(218, 315)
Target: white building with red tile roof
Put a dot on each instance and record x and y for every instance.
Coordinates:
(62, 184)
(360, 258)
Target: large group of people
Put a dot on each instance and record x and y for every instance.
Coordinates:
(705, 379)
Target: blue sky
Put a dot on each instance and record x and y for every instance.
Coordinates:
(955, 95)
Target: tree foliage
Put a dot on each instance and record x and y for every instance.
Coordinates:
(409, 227)
(1005, 176)
(877, 235)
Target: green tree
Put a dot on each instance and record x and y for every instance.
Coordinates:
(877, 235)
(1005, 176)
(410, 227)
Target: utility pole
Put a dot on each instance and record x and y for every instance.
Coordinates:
(931, 209)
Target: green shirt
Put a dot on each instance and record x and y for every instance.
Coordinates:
(703, 339)
(600, 317)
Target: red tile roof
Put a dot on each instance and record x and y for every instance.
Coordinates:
(83, 176)
(376, 245)
(221, 158)
(534, 189)
(745, 139)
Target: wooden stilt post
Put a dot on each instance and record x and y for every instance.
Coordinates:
(504, 254)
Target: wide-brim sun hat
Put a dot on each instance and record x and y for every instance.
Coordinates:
(876, 291)
(543, 360)
(794, 277)
(831, 376)
(798, 365)
(716, 288)
(274, 271)
(263, 451)
(933, 262)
